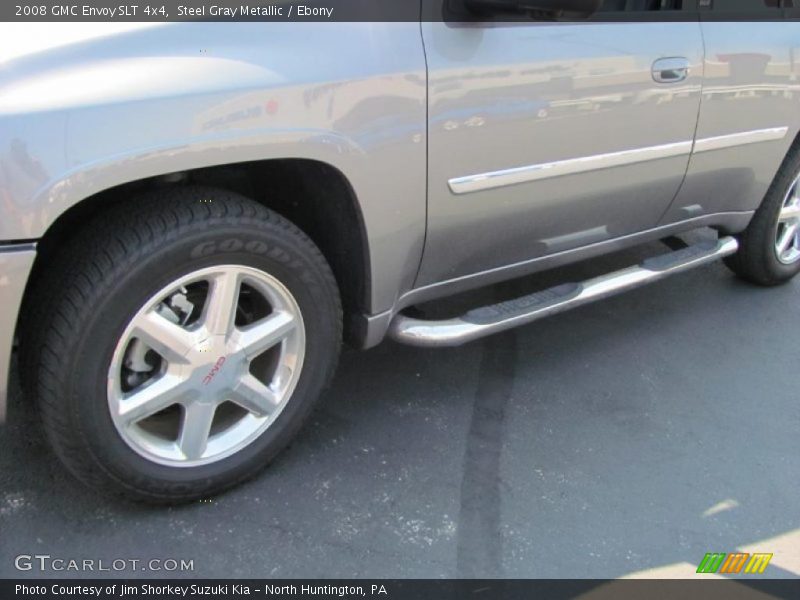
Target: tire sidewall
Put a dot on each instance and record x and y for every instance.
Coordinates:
(123, 296)
(767, 224)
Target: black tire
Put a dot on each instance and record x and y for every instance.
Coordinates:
(78, 309)
(757, 260)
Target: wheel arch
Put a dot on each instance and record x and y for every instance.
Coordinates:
(315, 195)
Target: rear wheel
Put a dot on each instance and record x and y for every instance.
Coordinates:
(177, 347)
(769, 251)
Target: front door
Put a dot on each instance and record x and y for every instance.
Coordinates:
(547, 136)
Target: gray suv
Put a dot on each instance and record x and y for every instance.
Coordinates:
(194, 216)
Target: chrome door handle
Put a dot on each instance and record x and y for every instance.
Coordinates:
(671, 70)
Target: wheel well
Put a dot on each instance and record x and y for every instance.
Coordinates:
(313, 195)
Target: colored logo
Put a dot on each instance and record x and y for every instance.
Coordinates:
(732, 564)
(214, 370)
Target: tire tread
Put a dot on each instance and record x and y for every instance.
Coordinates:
(89, 264)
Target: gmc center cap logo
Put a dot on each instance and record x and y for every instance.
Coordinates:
(214, 370)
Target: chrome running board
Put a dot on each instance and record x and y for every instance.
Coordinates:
(495, 318)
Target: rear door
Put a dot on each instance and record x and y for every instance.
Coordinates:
(547, 136)
(750, 112)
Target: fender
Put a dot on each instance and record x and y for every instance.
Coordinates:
(191, 95)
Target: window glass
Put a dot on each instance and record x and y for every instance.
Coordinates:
(647, 10)
(740, 5)
(741, 9)
(641, 5)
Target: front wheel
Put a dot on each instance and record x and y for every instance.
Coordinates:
(177, 347)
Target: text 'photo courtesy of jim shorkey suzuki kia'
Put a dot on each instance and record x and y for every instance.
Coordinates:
(188, 235)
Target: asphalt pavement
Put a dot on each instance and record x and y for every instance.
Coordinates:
(625, 438)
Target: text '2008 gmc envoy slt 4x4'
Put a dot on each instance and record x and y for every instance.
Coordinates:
(194, 216)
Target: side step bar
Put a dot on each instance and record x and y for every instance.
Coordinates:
(495, 318)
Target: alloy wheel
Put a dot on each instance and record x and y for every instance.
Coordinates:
(206, 365)
(787, 237)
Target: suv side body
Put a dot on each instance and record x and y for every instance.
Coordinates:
(423, 159)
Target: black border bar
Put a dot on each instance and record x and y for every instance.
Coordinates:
(399, 589)
(344, 11)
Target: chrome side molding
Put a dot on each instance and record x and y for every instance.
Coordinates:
(740, 139)
(572, 166)
(499, 317)
(585, 164)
